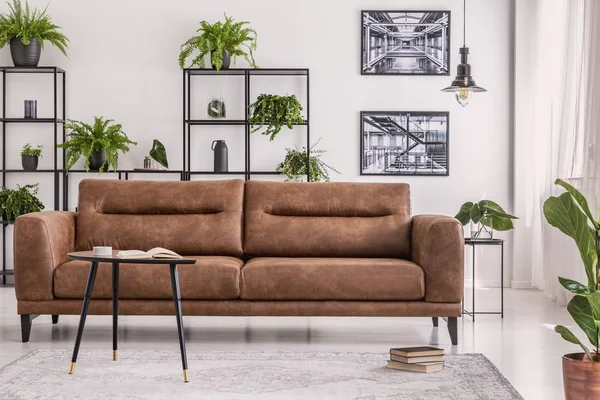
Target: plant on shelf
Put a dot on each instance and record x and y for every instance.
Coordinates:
(15, 202)
(26, 30)
(293, 167)
(487, 216)
(571, 214)
(221, 40)
(276, 112)
(99, 144)
(159, 153)
(30, 157)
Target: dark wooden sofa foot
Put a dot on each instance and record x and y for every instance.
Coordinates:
(25, 327)
(435, 321)
(54, 319)
(453, 329)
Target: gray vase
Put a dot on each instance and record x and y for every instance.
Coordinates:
(221, 156)
(30, 163)
(25, 55)
(226, 60)
(97, 159)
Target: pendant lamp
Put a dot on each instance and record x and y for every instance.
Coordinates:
(463, 85)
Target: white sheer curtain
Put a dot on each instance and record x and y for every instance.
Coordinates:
(556, 132)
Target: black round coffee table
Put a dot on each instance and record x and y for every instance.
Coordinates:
(116, 261)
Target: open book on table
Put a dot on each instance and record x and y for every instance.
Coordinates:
(157, 252)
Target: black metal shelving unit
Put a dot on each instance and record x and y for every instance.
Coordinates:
(58, 124)
(247, 73)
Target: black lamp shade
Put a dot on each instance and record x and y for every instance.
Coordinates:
(463, 79)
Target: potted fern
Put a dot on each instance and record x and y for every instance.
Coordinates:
(571, 214)
(15, 202)
(294, 166)
(275, 112)
(222, 40)
(26, 30)
(99, 144)
(30, 157)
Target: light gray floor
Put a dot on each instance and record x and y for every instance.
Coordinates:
(521, 345)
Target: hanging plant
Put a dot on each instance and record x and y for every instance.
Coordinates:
(276, 112)
(293, 166)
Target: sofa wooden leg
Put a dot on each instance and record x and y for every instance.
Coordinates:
(453, 329)
(435, 321)
(25, 327)
(54, 319)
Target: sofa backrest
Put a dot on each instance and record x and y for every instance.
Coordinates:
(193, 218)
(327, 219)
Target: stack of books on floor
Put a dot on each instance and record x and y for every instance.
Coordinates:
(417, 359)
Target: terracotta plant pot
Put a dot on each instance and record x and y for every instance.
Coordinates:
(581, 377)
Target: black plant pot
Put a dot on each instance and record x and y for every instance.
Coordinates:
(25, 55)
(30, 163)
(97, 160)
(226, 60)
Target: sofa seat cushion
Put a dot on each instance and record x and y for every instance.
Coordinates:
(211, 278)
(332, 279)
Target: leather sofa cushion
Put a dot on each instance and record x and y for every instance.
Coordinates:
(332, 279)
(327, 219)
(211, 278)
(190, 218)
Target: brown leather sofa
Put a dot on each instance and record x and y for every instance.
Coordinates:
(262, 249)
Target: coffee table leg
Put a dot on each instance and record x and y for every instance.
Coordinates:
(115, 285)
(177, 299)
(84, 310)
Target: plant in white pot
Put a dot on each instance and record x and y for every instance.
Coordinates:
(26, 30)
(571, 214)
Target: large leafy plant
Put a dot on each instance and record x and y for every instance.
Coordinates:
(230, 36)
(26, 24)
(294, 166)
(275, 112)
(102, 135)
(486, 213)
(571, 214)
(15, 202)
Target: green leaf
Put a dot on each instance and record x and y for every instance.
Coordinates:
(464, 214)
(570, 337)
(580, 200)
(159, 153)
(574, 286)
(476, 213)
(581, 311)
(563, 213)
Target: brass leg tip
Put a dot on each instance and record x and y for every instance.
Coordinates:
(186, 377)
(72, 369)
(115, 355)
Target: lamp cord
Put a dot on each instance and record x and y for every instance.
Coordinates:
(464, 23)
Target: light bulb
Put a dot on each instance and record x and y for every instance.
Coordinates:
(463, 96)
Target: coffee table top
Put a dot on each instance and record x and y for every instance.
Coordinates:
(89, 256)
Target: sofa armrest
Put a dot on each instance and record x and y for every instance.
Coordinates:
(438, 247)
(41, 243)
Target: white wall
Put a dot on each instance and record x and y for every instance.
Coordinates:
(123, 65)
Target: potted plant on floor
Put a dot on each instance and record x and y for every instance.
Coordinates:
(99, 144)
(222, 40)
(15, 202)
(30, 157)
(275, 112)
(485, 216)
(571, 214)
(293, 167)
(26, 30)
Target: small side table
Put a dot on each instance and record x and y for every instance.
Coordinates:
(116, 262)
(474, 244)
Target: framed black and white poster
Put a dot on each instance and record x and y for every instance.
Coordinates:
(404, 143)
(405, 42)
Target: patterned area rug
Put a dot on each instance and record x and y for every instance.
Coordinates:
(43, 374)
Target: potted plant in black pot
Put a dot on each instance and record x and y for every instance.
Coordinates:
(99, 144)
(275, 112)
(30, 157)
(26, 30)
(15, 202)
(485, 216)
(571, 214)
(222, 40)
